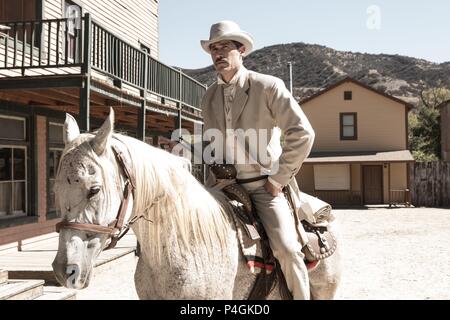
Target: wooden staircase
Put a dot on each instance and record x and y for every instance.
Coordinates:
(31, 290)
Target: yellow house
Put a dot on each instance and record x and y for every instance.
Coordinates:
(360, 155)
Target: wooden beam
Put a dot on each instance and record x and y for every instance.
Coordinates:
(56, 96)
(41, 82)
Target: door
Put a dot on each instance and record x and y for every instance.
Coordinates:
(73, 13)
(373, 184)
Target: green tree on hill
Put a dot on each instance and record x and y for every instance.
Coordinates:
(424, 123)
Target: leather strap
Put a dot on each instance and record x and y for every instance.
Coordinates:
(115, 229)
(250, 180)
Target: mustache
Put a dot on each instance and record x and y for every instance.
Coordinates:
(218, 60)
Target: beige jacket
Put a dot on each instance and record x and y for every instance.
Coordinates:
(263, 102)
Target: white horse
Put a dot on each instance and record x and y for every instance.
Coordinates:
(189, 245)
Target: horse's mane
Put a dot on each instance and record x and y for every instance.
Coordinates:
(166, 193)
(175, 201)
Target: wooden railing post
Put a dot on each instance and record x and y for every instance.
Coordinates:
(85, 94)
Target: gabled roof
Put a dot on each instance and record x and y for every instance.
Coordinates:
(359, 83)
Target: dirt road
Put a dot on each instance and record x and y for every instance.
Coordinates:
(389, 254)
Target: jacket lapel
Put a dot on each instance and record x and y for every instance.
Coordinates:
(217, 108)
(241, 98)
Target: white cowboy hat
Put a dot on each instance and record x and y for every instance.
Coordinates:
(228, 30)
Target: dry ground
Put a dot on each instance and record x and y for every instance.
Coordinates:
(389, 254)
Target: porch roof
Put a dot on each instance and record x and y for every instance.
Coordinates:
(360, 156)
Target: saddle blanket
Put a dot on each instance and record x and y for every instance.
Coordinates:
(251, 249)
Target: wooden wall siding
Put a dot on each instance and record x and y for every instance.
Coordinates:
(381, 121)
(430, 184)
(136, 21)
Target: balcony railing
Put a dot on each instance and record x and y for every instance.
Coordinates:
(400, 197)
(51, 44)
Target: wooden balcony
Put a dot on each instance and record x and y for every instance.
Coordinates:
(85, 70)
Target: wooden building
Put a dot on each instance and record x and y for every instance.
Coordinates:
(81, 57)
(360, 155)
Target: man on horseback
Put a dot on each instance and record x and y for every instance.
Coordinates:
(243, 99)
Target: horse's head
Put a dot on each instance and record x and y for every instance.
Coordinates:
(89, 191)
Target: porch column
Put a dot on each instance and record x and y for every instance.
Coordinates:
(351, 184)
(178, 123)
(180, 102)
(85, 92)
(389, 183)
(142, 117)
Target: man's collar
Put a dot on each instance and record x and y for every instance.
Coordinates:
(235, 78)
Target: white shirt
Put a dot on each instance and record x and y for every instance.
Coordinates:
(246, 170)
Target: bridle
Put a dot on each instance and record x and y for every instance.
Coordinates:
(116, 229)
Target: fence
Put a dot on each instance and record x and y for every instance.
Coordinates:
(430, 184)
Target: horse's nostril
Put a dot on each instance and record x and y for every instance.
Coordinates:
(72, 272)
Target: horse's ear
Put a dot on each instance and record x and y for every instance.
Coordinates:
(71, 129)
(103, 135)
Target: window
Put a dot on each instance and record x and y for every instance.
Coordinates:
(18, 10)
(12, 128)
(55, 133)
(348, 95)
(21, 10)
(332, 177)
(13, 181)
(56, 146)
(54, 158)
(348, 124)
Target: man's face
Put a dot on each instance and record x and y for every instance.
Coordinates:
(226, 56)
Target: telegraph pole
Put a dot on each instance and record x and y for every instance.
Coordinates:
(290, 78)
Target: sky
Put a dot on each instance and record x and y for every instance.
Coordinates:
(413, 28)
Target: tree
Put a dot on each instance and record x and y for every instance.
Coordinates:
(425, 131)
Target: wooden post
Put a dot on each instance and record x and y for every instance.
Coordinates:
(351, 184)
(389, 184)
(361, 170)
(85, 94)
(408, 185)
(142, 117)
(180, 102)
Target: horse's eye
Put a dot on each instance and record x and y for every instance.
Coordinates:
(93, 192)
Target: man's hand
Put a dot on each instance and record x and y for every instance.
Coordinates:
(270, 188)
(167, 144)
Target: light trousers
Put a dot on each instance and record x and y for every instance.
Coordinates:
(276, 217)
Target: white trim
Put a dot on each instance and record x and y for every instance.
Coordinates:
(56, 124)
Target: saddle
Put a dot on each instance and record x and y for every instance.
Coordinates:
(321, 243)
